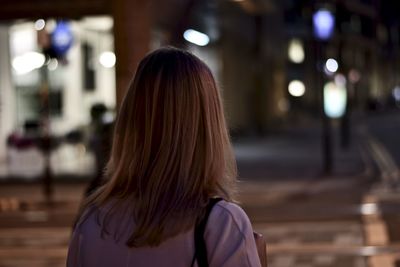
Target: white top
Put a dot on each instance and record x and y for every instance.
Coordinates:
(229, 241)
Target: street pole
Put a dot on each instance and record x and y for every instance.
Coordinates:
(345, 119)
(45, 140)
(345, 123)
(326, 144)
(323, 26)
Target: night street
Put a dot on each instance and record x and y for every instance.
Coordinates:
(308, 219)
(155, 99)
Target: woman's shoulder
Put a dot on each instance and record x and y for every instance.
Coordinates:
(229, 214)
(230, 208)
(95, 213)
(85, 216)
(229, 237)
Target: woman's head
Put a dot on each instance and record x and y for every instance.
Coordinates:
(171, 150)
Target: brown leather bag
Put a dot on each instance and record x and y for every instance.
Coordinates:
(261, 248)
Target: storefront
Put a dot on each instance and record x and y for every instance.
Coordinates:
(52, 73)
(61, 61)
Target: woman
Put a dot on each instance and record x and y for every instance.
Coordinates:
(171, 153)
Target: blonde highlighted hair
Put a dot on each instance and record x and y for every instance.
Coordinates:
(171, 150)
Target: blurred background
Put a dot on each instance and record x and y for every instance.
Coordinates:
(311, 91)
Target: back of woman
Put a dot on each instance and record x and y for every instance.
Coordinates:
(171, 154)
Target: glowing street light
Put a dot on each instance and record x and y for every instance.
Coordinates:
(331, 65)
(324, 23)
(296, 88)
(296, 51)
(335, 99)
(40, 24)
(195, 37)
(28, 62)
(323, 26)
(107, 59)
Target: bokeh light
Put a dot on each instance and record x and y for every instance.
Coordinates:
(296, 88)
(335, 99)
(107, 59)
(28, 62)
(196, 37)
(296, 51)
(331, 65)
(324, 22)
(40, 24)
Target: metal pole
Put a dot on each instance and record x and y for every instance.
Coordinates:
(345, 120)
(327, 149)
(345, 123)
(45, 140)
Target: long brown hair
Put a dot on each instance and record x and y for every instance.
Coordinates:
(171, 150)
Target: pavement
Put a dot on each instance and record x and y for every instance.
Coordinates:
(349, 217)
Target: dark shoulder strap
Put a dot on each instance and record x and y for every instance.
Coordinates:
(199, 242)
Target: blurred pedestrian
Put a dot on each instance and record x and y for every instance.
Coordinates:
(171, 156)
(99, 143)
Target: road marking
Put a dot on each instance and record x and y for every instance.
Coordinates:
(388, 168)
(321, 248)
(33, 253)
(376, 231)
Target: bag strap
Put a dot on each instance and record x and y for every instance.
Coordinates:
(199, 243)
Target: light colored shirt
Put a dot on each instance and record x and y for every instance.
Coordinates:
(228, 236)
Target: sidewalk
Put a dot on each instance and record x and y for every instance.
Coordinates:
(296, 155)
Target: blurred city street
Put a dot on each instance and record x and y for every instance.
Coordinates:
(309, 219)
(348, 218)
(311, 92)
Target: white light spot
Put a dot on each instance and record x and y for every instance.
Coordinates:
(369, 251)
(196, 37)
(335, 99)
(296, 88)
(53, 64)
(396, 93)
(331, 65)
(40, 24)
(28, 62)
(107, 59)
(369, 209)
(296, 51)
